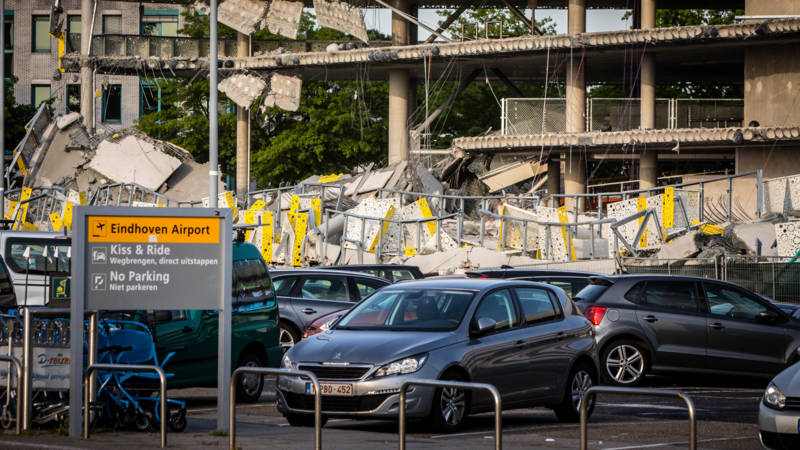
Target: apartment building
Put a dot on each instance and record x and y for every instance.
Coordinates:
(32, 56)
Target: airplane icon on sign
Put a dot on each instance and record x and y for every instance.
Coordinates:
(99, 228)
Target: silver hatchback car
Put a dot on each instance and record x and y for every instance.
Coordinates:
(527, 339)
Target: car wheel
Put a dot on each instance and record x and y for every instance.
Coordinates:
(450, 406)
(249, 386)
(624, 363)
(580, 379)
(287, 337)
(303, 420)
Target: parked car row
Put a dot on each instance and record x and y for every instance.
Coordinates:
(485, 329)
(541, 337)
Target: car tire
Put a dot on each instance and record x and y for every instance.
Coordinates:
(287, 336)
(450, 406)
(303, 420)
(580, 379)
(249, 386)
(624, 363)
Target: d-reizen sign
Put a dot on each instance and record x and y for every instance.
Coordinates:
(151, 258)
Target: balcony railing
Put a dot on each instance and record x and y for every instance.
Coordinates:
(169, 47)
(538, 115)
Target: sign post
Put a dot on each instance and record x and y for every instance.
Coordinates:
(151, 258)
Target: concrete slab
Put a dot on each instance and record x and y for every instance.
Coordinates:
(683, 246)
(758, 237)
(133, 160)
(67, 120)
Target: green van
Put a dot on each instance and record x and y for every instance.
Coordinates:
(192, 334)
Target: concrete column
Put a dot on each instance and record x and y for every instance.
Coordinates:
(398, 91)
(648, 169)
(242, 133)
(87, 78)
(575, 179)
(554, 178)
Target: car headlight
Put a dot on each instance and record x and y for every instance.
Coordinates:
(402, 366)
(327, 325)
(774, 398)
(286, 363)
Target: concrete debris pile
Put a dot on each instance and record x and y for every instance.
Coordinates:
(59, 157)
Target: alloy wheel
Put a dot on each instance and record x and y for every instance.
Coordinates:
(453, 404)
(250, 381)
(286, 339)
(625, 364)
(581, 383)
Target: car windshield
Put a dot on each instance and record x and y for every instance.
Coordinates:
(409, 310)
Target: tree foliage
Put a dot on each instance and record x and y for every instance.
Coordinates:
(337, 127)
(16, 116)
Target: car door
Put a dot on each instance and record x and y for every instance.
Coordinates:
(736, 340)
(544, 349)
(496, 357)
(670, 314)
(193, 356)
(317, 295)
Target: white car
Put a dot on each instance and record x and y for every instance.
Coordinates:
(779, 411)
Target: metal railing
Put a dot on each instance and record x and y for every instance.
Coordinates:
(267, 371)
(498, 405)
(381, 222)
(548, 252)
(162, 381)
(578, 199)
(168, 46)
(540, 115)
(593, 391)
(12, 361)
(127, 193)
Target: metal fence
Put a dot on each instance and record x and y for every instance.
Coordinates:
(533, 115)
(539, 115)
(708, 113)
(775, 277)
(624, 113)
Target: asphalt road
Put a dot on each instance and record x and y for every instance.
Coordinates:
(727, 412)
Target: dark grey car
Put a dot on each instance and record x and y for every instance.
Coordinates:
(660, 323)
(527, 339)
(306, 294)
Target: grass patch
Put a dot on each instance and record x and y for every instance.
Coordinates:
(219, 433)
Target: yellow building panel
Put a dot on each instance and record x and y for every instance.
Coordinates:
(641, 205)
(668, 208)
(563, 217)
(300, 228)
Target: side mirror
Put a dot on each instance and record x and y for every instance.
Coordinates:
(767, 318)
(482, 326)
(162, 316)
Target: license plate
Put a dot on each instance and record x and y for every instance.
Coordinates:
(333, 389)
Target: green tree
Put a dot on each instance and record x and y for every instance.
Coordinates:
(16, 116)
(338, 125)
